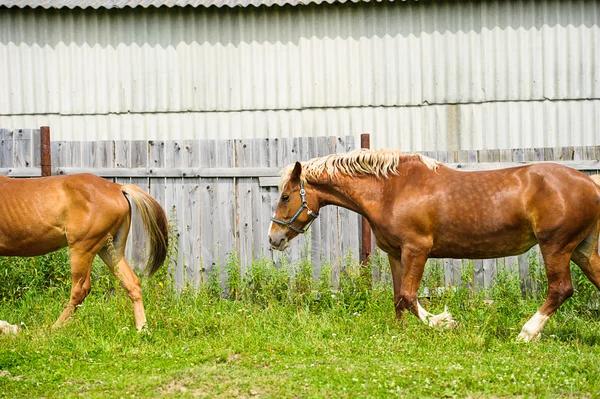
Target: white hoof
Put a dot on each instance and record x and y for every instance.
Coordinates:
(525, 336)
(532, 330)
(8, 329)
(143, 329)
(443, 319)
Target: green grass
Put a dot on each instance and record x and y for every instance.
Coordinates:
(287, 337)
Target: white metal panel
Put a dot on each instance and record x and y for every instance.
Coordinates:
(162, 3)
(422, 75)
(437, 127)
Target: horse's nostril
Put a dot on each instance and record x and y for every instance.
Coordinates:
(270, 240)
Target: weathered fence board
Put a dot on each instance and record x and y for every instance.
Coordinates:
(20, 152)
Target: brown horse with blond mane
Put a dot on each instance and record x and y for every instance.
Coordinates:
(419, 209)
(91, 216)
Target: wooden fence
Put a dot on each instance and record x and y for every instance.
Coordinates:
(220, 195)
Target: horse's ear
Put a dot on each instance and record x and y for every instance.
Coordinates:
(296, 172)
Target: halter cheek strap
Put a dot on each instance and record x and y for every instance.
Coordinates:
(312, 214)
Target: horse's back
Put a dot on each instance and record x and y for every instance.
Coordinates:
(514, 208)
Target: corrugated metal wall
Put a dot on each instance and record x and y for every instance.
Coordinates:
(417, 75)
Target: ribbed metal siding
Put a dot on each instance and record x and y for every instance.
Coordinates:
(419, 76)
(48, 4)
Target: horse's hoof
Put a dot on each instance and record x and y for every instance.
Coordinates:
(143, 329)
(526, 337)
(8, 329)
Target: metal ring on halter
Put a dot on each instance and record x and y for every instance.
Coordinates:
(304, 206)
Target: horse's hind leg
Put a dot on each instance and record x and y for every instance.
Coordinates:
(560, 288)
(587, 258)
(81, 267)
(114, 258)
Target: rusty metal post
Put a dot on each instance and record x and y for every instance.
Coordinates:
(365, 250)
(45, 149)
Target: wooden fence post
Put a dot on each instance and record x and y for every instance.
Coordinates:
(45, 149)
(365, 249)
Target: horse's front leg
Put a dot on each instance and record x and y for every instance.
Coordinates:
(407, 274)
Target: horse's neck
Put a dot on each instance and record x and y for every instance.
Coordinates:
(354, 193)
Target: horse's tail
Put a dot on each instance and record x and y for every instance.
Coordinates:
(596, 179)
(156, 225)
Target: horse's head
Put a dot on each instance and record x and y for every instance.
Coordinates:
(296, 210)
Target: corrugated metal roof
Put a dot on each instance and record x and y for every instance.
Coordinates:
(428, 75)
(47, 4)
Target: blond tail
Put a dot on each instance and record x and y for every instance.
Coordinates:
(156, 225)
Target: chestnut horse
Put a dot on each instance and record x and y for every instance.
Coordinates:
(91, 216)
(419, 209)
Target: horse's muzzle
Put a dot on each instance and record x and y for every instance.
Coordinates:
(278, 242)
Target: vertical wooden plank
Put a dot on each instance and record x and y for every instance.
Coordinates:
(483, 156)
(6, 148)
(447, 265)
(225, 207)
(193, 156)
(529, 154)
(462, 156)
(208, 199)
(261, 213)
(174, 197)
(590, 153)
(493, 155)
(478, 275)
(72, 154)
(157, 161)
(579, 153)
(512, 264)
(518, 155)
(88, 149)
(451, 156)
(22, 151)
(122, 158)
(157, 185)
(96, 154)
(36, 147)
(505, 155)
(564, 154)
(489, 273)
(523, 265)
(457, 272)
(244, 207)
(58, 155)
(472, 157)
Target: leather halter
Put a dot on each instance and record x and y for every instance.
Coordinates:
(304, 206)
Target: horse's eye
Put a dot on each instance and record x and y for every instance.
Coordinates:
(285, 197)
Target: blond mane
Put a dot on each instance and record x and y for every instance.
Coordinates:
(378, 163)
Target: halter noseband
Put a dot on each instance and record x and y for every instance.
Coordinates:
(304, 206)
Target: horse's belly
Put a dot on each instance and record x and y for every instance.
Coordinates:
(17, 242)
(483, 246)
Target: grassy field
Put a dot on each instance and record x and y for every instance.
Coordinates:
(276, 337)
